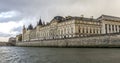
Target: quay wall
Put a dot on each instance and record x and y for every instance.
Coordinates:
(91, 41)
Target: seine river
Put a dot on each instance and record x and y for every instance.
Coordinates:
(59, 55)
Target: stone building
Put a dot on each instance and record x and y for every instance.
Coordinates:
(19, 38)
(69, 27)
(110, 24)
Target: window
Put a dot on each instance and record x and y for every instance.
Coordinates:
(83, 30)
(97, 31)
(119, 28)
(86, 30)
(109, 28)
(100, 31)
(79, 29)
(112, 27)
(90, 30)
(116, 27)
(93, 30)
(106, 28)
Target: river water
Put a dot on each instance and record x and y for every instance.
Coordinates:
(59, 55)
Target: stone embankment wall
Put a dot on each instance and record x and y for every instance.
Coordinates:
(112, 40)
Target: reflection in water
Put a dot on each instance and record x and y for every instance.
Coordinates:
(58, 55)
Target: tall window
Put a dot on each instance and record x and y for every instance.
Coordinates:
(97, 31)
(100, 31)
(113, 28)
(116, 27)
(79, 30)
(109, 28)
(94, 31)
(119, 28)
(90, 30)
(106, 28)
(83, 30)
(86, 30)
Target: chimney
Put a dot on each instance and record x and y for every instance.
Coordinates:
(92, 17)
(82, 15)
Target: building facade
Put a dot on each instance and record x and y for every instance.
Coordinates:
(69, 27)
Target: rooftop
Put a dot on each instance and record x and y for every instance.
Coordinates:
(108, 17)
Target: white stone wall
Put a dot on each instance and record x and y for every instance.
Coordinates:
(112, 26)
(95, 41)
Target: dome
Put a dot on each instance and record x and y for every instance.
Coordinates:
(59, 18)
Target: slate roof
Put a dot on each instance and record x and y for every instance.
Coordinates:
(30, 27)
(82, 18)
(64, 19)
(40, 22)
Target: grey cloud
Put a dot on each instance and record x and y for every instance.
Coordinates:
(4, 10)
(10, 19)
(32, 10)
(18, 29)
(47, 9)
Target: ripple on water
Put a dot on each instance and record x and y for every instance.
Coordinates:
(58, 55)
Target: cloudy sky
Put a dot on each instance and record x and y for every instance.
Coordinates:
(16, 13)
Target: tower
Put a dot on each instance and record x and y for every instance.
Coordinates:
(23, 32)
(39, 25)
(40, 22)
(29, 31)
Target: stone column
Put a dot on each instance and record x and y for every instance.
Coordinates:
(99, 30)
(119, 28)
(111, 28)
(108, 31)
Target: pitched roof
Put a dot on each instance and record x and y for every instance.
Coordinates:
(40, 22)
(30, 27)
(107, 17)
